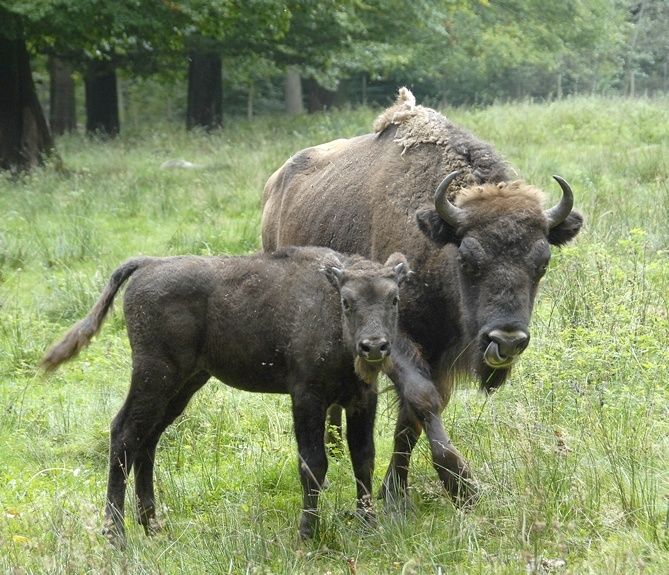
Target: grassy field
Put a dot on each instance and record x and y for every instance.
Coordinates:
(572, 454)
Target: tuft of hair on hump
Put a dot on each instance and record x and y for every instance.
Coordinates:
(404, 106)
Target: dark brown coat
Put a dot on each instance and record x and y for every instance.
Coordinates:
(304, 321)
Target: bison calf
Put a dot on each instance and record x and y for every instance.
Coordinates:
(304, 321)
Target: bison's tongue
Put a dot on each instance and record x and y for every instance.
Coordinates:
(492, 357)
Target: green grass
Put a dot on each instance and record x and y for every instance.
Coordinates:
(571, 455)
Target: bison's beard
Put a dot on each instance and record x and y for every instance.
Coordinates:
(491, 378)
(368, 371)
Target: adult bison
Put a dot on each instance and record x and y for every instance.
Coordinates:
(479, 245)
(304, 321)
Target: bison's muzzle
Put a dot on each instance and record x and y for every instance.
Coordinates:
(504, 347)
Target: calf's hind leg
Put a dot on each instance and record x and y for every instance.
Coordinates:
(153, 383)
(145, 458)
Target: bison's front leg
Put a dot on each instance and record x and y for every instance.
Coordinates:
(451, 467)
(420, 408)
(309, 422)
(360, 437)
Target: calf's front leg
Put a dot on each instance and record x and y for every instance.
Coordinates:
(360, 438)
(309, 424)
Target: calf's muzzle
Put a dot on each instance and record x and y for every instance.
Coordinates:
(373, 349)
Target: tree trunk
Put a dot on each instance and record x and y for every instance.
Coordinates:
(101, 99)
(249, 102)
(364, 89)
(205, 90)
(292, 90)
(62, 115)
(318, 98)
(24, 135)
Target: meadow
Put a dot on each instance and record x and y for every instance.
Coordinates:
(571, 454)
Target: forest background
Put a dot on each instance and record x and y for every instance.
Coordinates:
(138, 61)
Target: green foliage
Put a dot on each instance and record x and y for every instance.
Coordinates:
(570, 455)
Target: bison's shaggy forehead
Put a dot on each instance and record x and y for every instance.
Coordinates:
(504, 202)
(517, 192)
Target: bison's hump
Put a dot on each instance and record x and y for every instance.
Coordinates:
(420, 125)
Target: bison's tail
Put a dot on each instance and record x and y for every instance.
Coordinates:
(81, 333)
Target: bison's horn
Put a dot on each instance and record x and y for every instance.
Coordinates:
(449, 213)
(557, 214)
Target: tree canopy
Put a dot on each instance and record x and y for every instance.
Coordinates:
(458, 51)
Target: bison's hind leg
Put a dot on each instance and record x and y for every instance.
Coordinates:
(154, 382)
(145, 458)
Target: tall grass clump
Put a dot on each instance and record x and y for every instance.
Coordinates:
(571, 455)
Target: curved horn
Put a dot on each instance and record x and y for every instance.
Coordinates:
(449, 213)
(558, 213)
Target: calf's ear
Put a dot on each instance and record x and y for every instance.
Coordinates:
(435, 228)
(567, 230)
(398, 262)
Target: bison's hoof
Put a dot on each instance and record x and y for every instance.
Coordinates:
(392, 492)
(466, 495)
(367, 516)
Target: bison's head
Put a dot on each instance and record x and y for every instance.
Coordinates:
(500, 237)
(369, 295)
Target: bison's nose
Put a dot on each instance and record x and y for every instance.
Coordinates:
(374, 348)
(504, 346)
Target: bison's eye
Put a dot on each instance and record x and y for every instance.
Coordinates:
(471, 256)
(346, 304)
(396, 301)
(541, 269)
(469, 265)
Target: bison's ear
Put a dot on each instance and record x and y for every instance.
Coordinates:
(334, 274)
(567, 230)
(435, 228)
(398, 262)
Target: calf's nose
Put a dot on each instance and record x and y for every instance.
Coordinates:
(509, 343)
(374, 348)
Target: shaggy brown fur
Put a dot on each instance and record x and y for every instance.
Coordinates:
(469, 305)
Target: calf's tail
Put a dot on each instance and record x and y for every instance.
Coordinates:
(81, 333)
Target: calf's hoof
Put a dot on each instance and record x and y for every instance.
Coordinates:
(152, 526)
(115, 534)
(308, 524)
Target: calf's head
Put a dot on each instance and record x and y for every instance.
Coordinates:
(500, 237)
(369, 296)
